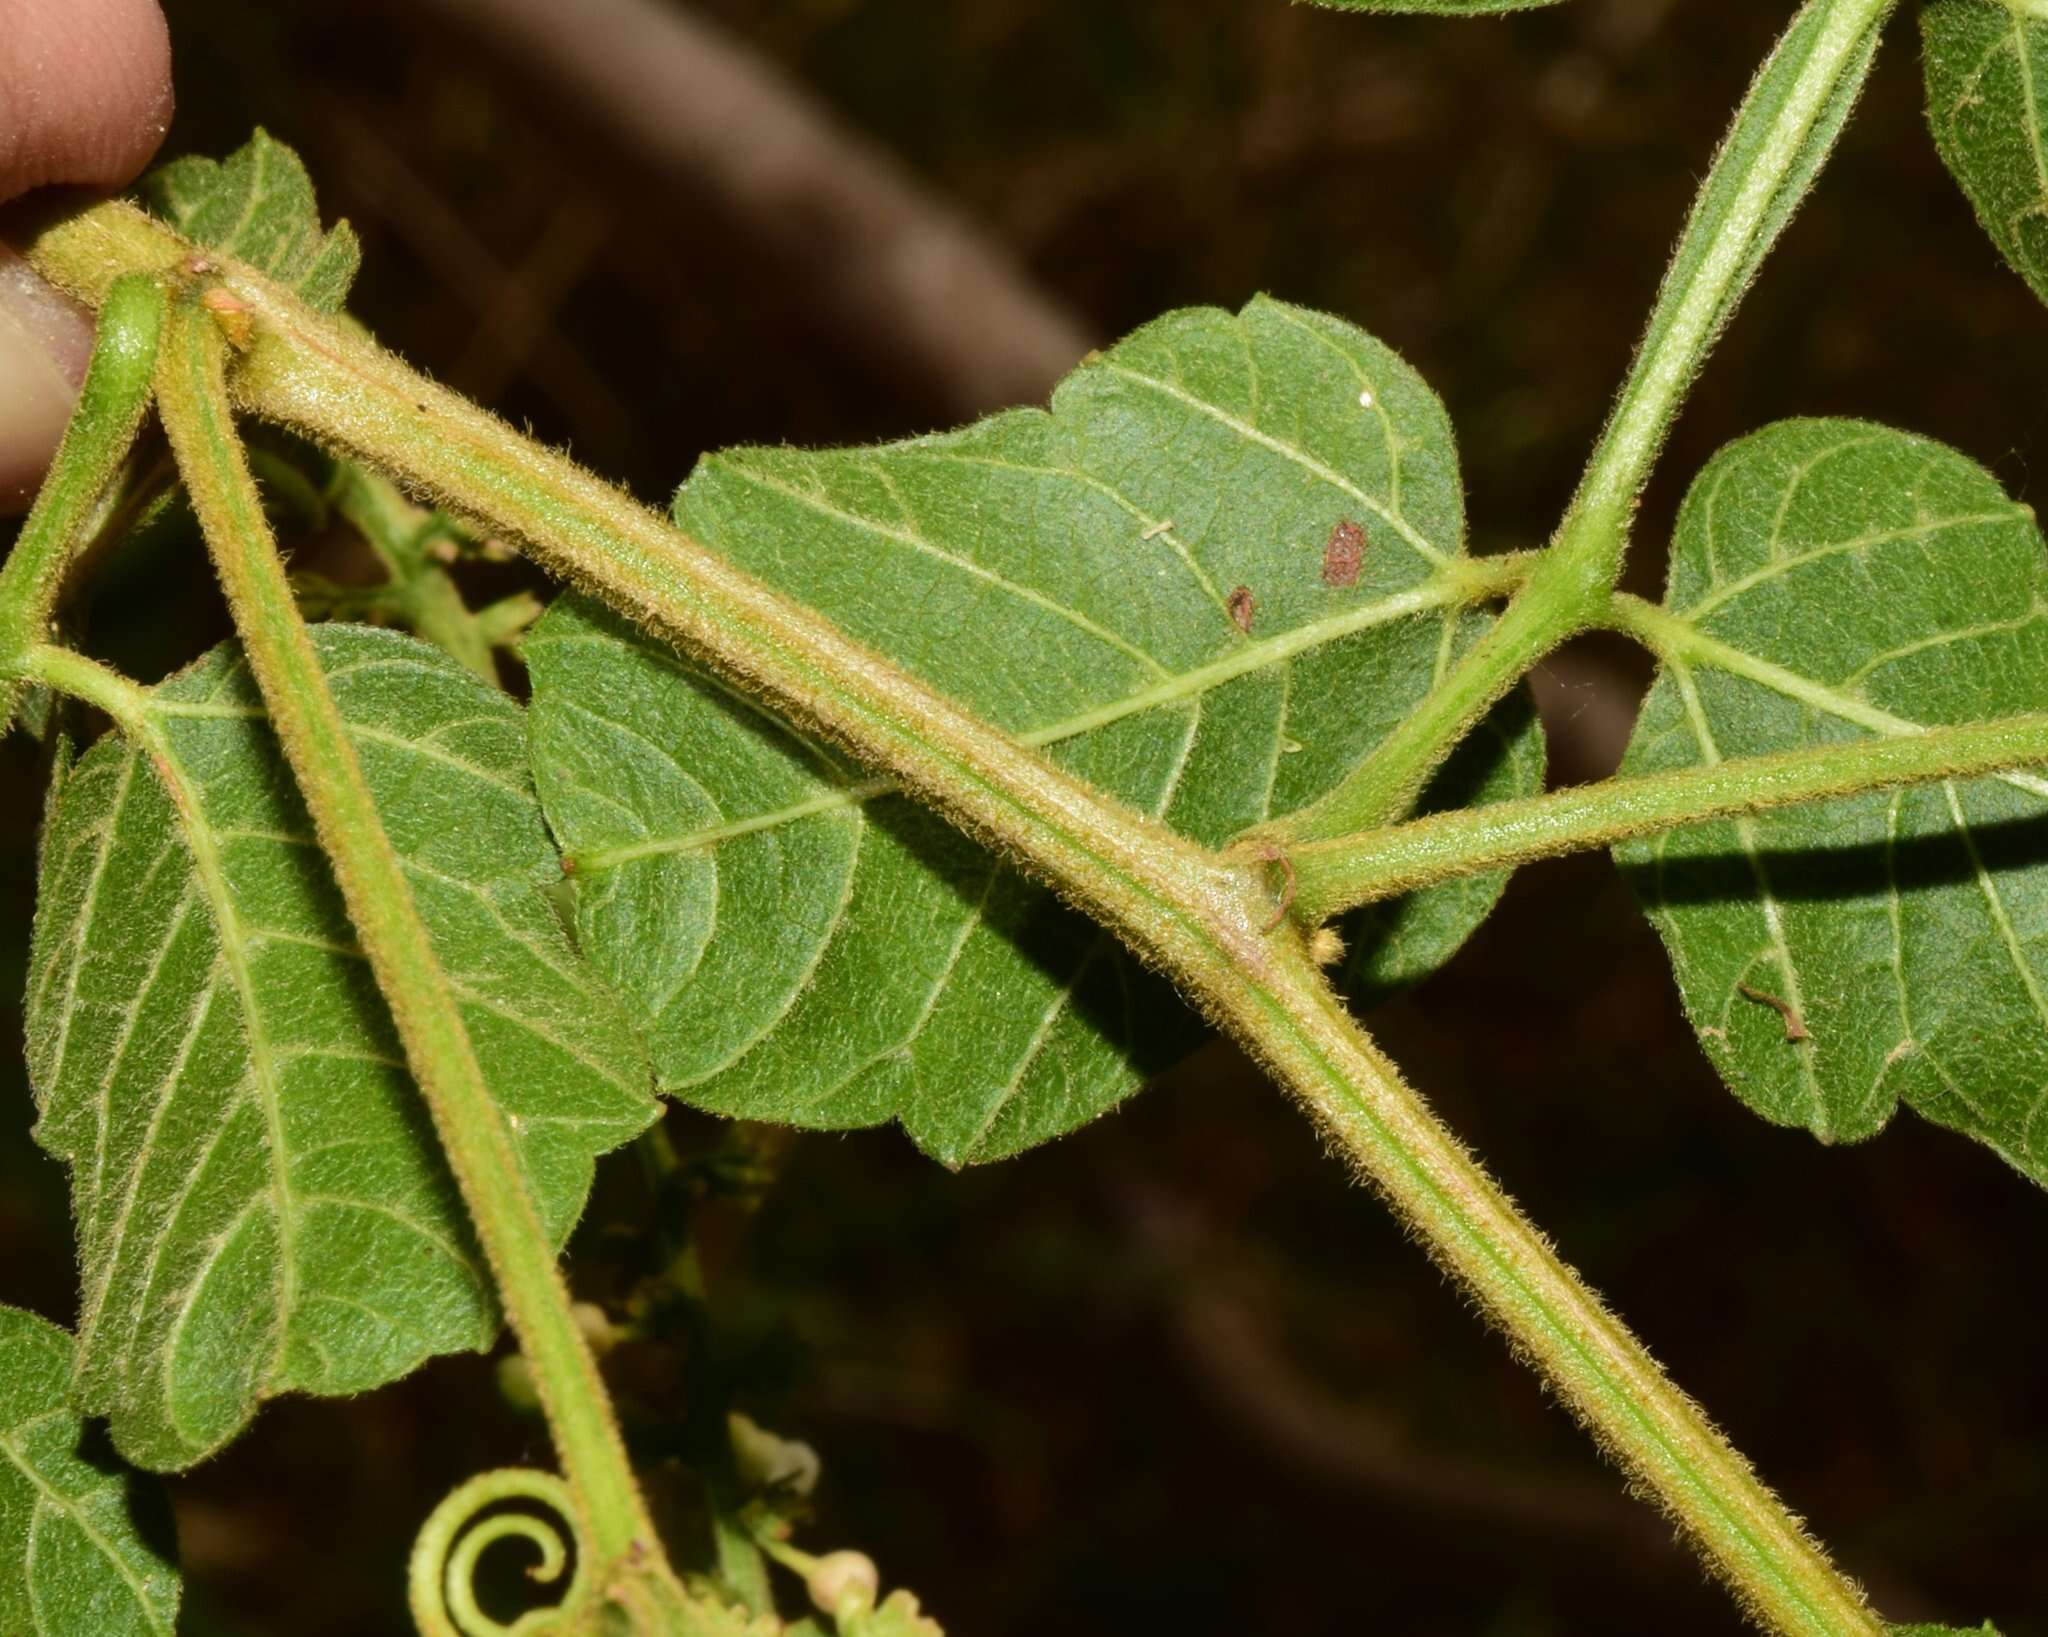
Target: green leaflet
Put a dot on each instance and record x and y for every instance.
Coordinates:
(85, 1545)
(257, 205)
(1987, 101)
(1985, 1630)
(802, 954)
(261, 1204)
(1840, 579)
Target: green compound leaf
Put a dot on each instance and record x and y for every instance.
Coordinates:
(257, 205)
(84, 1543)
(1084, 578)
(1987, 101)
(261, 1204)
(1839, 959)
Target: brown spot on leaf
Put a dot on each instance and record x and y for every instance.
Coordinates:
(1795, 1025)
(1344, 554)
(1241, 604)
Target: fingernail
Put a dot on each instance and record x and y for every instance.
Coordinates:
(45, 339)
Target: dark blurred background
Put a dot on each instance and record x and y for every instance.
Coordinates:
(1176, 1372)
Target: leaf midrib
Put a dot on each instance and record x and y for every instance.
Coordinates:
(1679, 638)
(1443, 591)
(234, 956)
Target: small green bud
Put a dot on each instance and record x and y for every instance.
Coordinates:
(843, 1584)
(515, 1384)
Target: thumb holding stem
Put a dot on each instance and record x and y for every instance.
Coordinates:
(85, 100)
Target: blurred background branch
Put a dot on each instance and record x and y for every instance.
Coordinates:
(734, 158)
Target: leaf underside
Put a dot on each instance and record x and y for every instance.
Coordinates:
(261, 1203)
(1865, 582)
(802, 951)
(84, 1542)
(1986, 65)
(257, 205)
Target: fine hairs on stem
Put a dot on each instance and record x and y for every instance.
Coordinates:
(1235, 927)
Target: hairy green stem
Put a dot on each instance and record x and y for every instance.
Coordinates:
(1330, 876)
(352, 395)
(613, 1526)
(1776, 146)
(1191, 912)
(1301, 1031)
(1201, 917)
(92, 683)
(110, 407)
(1780, 138)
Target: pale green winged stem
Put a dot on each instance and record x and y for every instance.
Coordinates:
(612, 1525)
(1193, 913)
(1799, 100)
(1330, 876)
(96, 442)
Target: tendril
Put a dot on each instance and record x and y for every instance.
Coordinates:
(464, 1526)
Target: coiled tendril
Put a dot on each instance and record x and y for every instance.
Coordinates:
(463, 1527)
